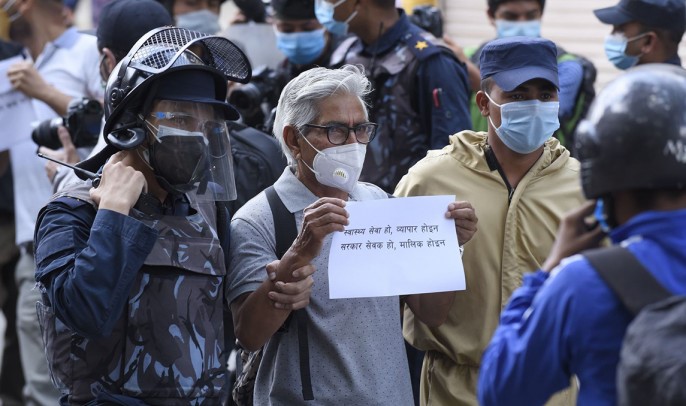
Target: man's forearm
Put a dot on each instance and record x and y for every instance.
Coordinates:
(57, 100)
(256, 317)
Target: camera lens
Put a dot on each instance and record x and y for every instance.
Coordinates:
(45, 134)
(246, 99)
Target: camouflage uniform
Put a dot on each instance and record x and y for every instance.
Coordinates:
(167, 347)
(402, 137)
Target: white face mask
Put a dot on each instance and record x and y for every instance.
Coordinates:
(338, 166)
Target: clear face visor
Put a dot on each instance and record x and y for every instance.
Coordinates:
(191, 152)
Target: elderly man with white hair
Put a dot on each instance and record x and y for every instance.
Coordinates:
(356, 350)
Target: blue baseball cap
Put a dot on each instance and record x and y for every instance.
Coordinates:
(70, 3)
(515, 60)
(123, 22)
(665, 14)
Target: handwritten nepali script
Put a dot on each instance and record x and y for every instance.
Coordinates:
(396, 247)
(16, 110)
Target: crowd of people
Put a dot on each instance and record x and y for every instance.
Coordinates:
(130, 276)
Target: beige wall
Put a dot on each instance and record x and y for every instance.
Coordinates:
(569, 23)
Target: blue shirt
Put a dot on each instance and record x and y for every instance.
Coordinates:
(571, 74)
(571, 323)
(446, 112)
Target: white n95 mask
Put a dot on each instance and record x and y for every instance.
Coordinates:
(338, 166)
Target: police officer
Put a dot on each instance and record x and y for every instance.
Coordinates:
(644, 31)
(132, 271)
(568, 322)
(421, 90)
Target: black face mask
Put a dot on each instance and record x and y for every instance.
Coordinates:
(180, 158)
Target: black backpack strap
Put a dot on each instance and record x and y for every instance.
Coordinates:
(304, 352)
(285, 232)
(285, 229)
(627, 277)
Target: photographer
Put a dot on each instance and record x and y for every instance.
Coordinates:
(69, 138)
(139, 17)
(305, 41)
(59, 64)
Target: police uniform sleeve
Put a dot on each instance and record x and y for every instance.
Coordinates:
(87, 261)
(443, 98)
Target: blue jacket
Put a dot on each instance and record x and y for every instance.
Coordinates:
(132, 306)
(571, 323)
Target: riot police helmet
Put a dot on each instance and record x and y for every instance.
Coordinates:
(634, 137)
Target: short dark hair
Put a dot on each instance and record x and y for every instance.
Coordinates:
(645, 198)
(668, 36)
(487, 84)
(494, 4)
(671, 38)
(384, 3)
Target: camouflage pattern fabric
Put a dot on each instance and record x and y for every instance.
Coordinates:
(401, 141)
(168, 347)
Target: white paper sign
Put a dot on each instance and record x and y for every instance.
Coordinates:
(396, 247)
(16, 110)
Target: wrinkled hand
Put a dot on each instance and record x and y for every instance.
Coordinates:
(320, 219)
(574, 236)
(292, 295)
(120, 186)
(24, 77)
(465, 220)
(67, 154)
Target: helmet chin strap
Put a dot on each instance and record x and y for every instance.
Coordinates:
(145, 157)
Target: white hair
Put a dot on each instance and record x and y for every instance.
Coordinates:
(299, 101)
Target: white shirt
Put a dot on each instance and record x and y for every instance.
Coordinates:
(70, 64)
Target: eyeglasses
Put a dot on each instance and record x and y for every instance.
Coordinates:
(338, 133)
(183, 121)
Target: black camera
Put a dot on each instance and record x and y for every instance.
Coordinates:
(83, 120)
(429, 19)
(256, 99)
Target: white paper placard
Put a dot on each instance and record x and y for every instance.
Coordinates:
(396, 247)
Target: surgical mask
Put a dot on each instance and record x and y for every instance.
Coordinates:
(324, 12)
(338, 166)
(180, 171)
(203, 21)
(301, 47)
(615, 50)
(506, 28)
(526, 125)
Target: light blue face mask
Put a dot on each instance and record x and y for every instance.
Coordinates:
(526, 125)
(601, 215)
(506, 29)
(301, 48)
(324, 12)
(203, 21)
(615, 49)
